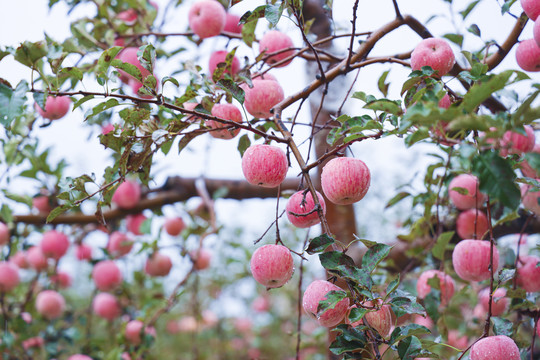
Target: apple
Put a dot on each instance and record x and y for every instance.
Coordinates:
(531, 8)
(129, 16)
(315, 293)
(36, 259)
(41, 204)
(261, 304)
(528, 273)
(528, 55)
(62, 279)
(435, 53)
(106, 275)
(424, 321)
(498, 305)
(276, 41)
(380, 320)
(187, 324)
(526, 168)
(498, 347)
(472, 224)
(264, 165)
(54, 244)
(201, 259)
(158, 265)
(536, 32)
(272, 265)
(529, 198)
(301, 202)
(119, 244)
(446, 284)
(516, 143)
(134, 329)
(19, 259)
(9, 276)
(55, 107)
(345, 180)
(445, 102)
(4, 234)
(468, 184)
(134, 222)
(207, 18)
(226, 112)
(209, 318)
(50, 304)
(79, 357)
(83, 252)
(106, 306)
(262, 97)
(232, 24)
(174, 226)
(218, 57)
(471, 259)
(191, 106)
(129, 55)
(107, 129)
(127, 195)
(459, 342)
(33, 342)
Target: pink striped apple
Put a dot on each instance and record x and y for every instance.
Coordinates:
(446, 284)
(207, 18)
(272, 265)
(528, 273)
(301, 203)
(467, 184)
(315, 293)
(158, 265)
(498, 305)
(264, 165)
(495, 348)
(345, 180)
(275, 41)
(54, 244)
(226, 112)
(106, 306)
(262, 97)
(472, 224)
(9, 276)
(106, 275)
(471, 259)
(55, 107)
(50, 304)
(528, 55)
(435, 53)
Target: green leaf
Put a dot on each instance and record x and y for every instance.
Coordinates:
(469, 8)
(319, 244)
(243, 144)
(397, 198)
(332, 298)
(128, 68)
(383, 87)
(402, 332)
(497, 178)
(356, 314)
(169, 79)
(392, 286)
(12, 102)
(478, 93)
(385, 105)
(455, 38)
(404, 304)
(506, 6)
(147, 57)
(272, 13)
(349, 339)
(534, 161)
(248, 32)
(409, 348)
(506, 275)
(58, 211)
(232, 88)
(29, 53)
(102, 107)
(374, 256)
(474, 29)
(331, 260)
(442, 243)
(502, 326)
(105, 60)
(82, 101)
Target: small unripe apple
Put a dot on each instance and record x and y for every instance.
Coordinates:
(201, 259)
(62, 279)
(4, 234)
(227, 112)
(54, 244)
(272, 265)
(262, 97)
(127, 195)
(50, 304)
(106, 275)
(301, 202)
(134, 222)
(499, 347)
(315, 293)
(158, 265)
(498, 305)
(106, 306)
(83, 252)
(536, 32)
(528, 55)
(129, 55)
(41, 204)
(529, 198)
(119, 244)
(471, 259)
(528, 273)
(517, 143)
(264, 165)
(231, 24)
(526, 168)
(36, 259)
(9, 276)
(466, 183)
(472, 224)
(207, 18)
(79, 357)
(134, 329)
(55, 107)
(276, 41)
(174, 226)
(345, 180)
(19, 259)
(531, 8)
(435, 53)
(220, 57)
(446, 284)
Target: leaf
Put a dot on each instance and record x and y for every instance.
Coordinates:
(102, 107)
(243, 144)
(392, 286)
(58, 211)
(478, 93)
(332, 299)
(506, 275)
(497, 178)
(169, 79)
(349, 339)
(232, 88)
(469, 8)
(82, 101)
(506, 6)
(374, 256)
(331, 260)
(128, 68)
(319, 244)
(455, 38)
(384, 105)
(29, 53)
(105, 59)
(248, 32)
(71, 72)
(272, 13)
(502, 326)
(147, 57)
(12, 102)
(397, 198)
(402, 305)
(442, 243)
(474, 29)
(409, 348)
(402, 332)
(383, 87)
(356, 314)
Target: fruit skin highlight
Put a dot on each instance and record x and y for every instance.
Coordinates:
(471, 259)
(207, 18)
(264, 165)
(301, 202)
(435, 53)
(272, 265)
(345, 180)
(495, 348)
(316, 292)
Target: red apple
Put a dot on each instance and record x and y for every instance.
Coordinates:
(526, 168)
(528, 55)
(158, 265)
(134, 329)
(83, 252)
(106, 306)
(380, 320)
(528, 273)
(119, 244)
(50, 304)
(536, 32)
(231, 24)
(128, 16)
(272, 265)
(345, 180)
(174, 226)
(19, 259)
(36, 259)
(9, 276)
(129, 55)
(301, 202)
(33, 342)
(471, 259)
(445, 102)
(201, 259)
(315, 293)
(227, 112)
(472, 224)
(106, 275)
(207, 18)
(107, 129)
(459, 342)
(4, 234)
(531, 8)
(54, 244)
(264, 165)
(261, 304)
(435, 53)
(55, 107)
(276, 41)
(134, 222)
(218, 57)
(62, 279)
(530, 196)
(127, 195)
(495, 348)
(498, 305)
(79, 357)
(41, 204)
(446, 284)
(262, 97)
(470, 199)
(517, 143)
